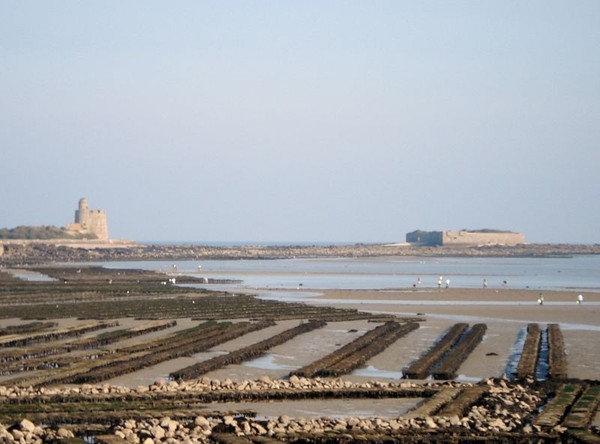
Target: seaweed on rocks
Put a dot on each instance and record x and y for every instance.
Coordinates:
(357, 352)
(246, 353)
(422, 367)
(459, 353)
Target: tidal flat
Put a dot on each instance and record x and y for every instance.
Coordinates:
(105, 344)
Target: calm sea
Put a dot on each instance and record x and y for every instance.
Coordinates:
(564, 273)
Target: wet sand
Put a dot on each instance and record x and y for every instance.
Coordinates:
(506, 313)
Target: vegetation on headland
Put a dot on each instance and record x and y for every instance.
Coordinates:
(45, 232)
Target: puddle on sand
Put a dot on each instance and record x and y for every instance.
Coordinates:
(542, 366)
(374, 372)
(515, 354)
(205, 356)
(268, 363)
(29, 275)
(464, 378)
(319, 408)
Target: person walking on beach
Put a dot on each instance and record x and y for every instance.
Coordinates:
(440, 280)
(580, 299)
(485, 283)
(447, 283)
(541, 299)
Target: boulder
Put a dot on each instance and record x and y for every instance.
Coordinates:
(353, 421)
(168, 424)
(259, 429)
(454, 420)
(265, 379)
(229, 420)
(430, 423)
(64, 433)
(26, 425)
(17, 434)
(158, 432)
(245, 426)
(202, 422)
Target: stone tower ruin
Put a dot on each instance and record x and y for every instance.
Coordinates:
(90, 221)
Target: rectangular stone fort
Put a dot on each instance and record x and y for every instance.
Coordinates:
(465, 237)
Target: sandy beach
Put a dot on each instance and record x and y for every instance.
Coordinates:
(505, 312)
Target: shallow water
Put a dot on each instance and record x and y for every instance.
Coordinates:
(373, 372)
(269, 362)
(578, 272)
(515, 354)
(281, 280)
(541, 370)
(361, 408)
(29, 275)
(281, 296)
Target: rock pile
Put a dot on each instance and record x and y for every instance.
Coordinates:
(201, 385)
(506, 407)
(27, 432)
(166, 430)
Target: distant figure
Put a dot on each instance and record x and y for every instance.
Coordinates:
(541, 299)
(485, 283)
(440, 280)
(418, 281)
(580, 299)
(505, 283)
(447, 283)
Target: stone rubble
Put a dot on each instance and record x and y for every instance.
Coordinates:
(505, 408)
(201, 385)
(27, 432)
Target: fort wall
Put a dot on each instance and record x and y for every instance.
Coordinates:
(465, 237)
(425, 237)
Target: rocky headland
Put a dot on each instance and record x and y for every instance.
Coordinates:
(23, 253)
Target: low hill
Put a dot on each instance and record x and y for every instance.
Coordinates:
(42, 233)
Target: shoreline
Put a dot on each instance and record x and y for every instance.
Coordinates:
(15, 252)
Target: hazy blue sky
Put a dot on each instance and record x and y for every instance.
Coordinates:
(302, 120)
